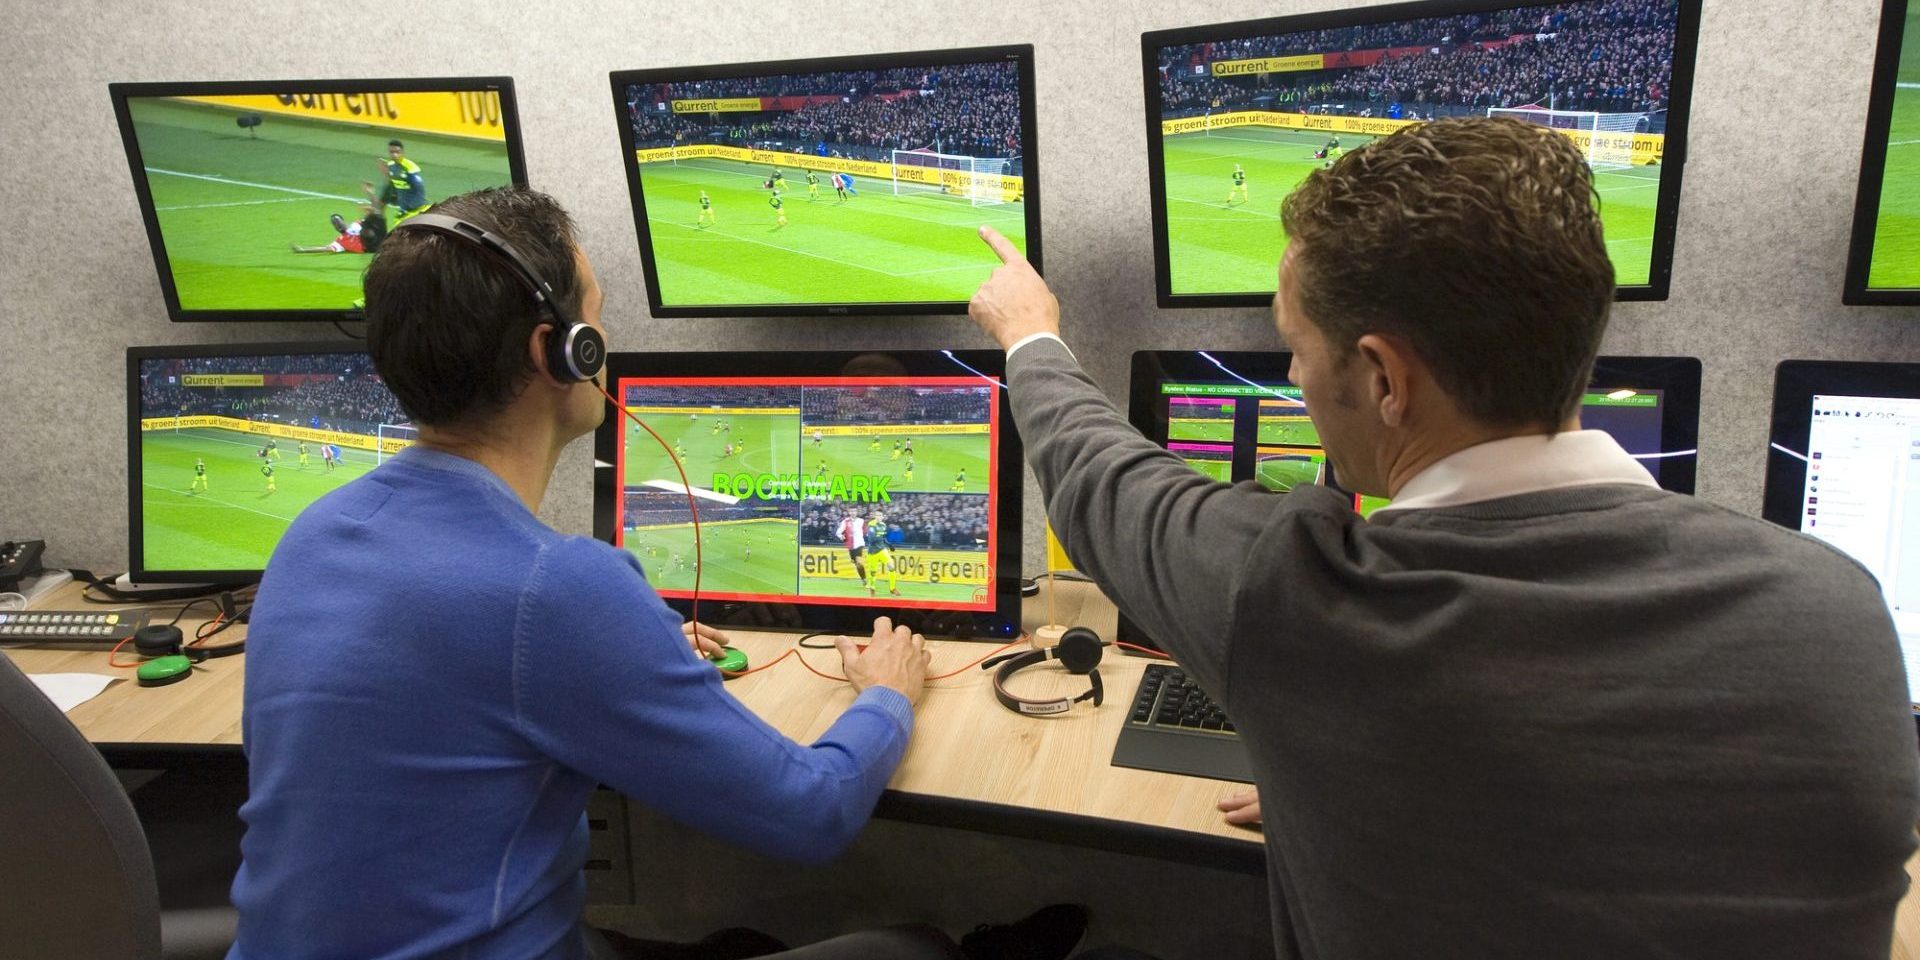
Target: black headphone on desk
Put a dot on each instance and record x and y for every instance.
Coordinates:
(1079, 651)
(575, 350)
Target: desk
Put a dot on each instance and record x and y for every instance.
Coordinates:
(201, 712)
(971, 764)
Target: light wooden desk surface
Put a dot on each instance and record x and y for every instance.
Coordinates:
(967, 750)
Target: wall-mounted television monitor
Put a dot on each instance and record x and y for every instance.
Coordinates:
(1883, 262)
(1843, 466)
(227, 444)
(832, 487)
(265, 200)
(847, 185)
(1238, 114)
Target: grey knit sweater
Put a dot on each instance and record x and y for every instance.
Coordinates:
(1605, 721)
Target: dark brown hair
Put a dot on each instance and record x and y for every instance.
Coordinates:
(1478, 242)
(447, 325)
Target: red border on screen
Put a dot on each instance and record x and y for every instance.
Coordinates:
(984, 592)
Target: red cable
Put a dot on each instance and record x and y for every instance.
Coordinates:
(692, 505)
(116, 649)
(1149, 651)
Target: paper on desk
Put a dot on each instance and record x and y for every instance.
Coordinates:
(69, 690)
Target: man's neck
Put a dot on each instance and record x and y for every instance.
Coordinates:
(525, 462)
(1426, 447)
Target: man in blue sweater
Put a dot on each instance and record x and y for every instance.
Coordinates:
(436, 680)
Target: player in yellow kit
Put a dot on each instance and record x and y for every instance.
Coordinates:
(959, 481)
(303, 454)
(813, 185)
(879, 557)
(1239, 184)
(199, 476)
(706, 211)
(779, 211)
(266, 470)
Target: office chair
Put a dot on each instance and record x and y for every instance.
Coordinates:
(78, 876)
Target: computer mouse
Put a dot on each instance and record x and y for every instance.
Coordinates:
(730, 660)
(161, 671)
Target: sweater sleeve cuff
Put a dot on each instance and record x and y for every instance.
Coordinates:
(1031, 337)
(891, 702)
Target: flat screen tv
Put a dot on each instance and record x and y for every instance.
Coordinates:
(1238, 114)
(264, 200)
(848, 185)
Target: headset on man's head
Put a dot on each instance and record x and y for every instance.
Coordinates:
(576, 351)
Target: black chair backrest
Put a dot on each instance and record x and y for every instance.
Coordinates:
(76, 873)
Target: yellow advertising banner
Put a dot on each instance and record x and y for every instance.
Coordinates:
(914, 565)
(721, 411)
(457, 113)
(222, 380)
(720, 105)
(1648, 148)
(358, 441)
(900, 430)
(1237, 68)
(1012, 188)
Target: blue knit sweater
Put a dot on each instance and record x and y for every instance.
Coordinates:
(435, 683)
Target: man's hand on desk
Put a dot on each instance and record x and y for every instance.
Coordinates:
(1242, 809)
(896, 658)
(706, 641)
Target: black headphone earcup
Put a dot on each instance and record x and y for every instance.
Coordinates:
(1080, 650)
(158, 640)
(577, 351)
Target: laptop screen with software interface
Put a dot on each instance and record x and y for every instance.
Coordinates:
(1844, 467)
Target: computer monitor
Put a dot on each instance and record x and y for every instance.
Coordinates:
(1235, 415)
(1263, 104)
(264, 199)
(227, 444)
(846, 185)
(790, 455)
(1843, 465)
(1883, 262)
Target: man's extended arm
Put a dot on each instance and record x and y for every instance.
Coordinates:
(1167, 544)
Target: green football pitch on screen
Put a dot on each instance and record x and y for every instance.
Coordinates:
(231, 206)
(1221, 247)
(235, 521)
(761, 556)
(1896, 234)
(875, 247)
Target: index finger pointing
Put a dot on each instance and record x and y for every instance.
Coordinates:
(1003, 247)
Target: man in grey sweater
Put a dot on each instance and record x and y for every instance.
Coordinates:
(1537, 707)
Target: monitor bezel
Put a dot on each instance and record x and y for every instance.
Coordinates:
(1678, 379)
(1873, 167)
(1001, 624)
(1020, 54)
(137, 569)
(1666, 207)
(1795, 384)
(122, 92)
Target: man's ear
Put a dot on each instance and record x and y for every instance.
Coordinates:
(1391, 370)
(537, 352)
